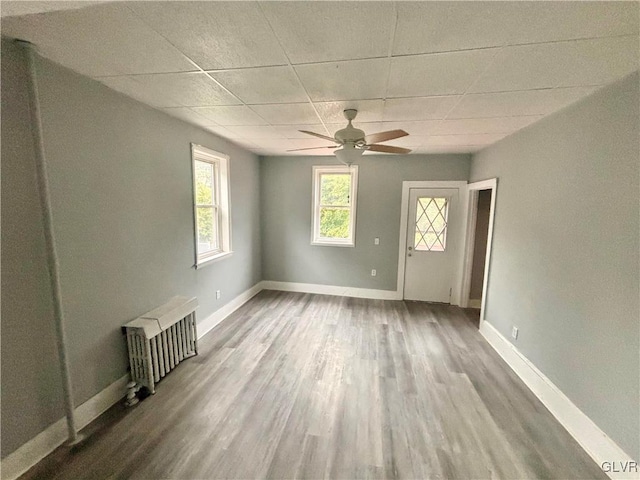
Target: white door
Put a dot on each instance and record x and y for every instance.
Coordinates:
(431, 244)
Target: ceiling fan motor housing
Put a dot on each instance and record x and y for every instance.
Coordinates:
(350, 134)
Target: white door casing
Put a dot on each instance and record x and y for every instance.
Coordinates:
(473, 189)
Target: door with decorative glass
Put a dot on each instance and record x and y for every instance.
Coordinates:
(431, 246)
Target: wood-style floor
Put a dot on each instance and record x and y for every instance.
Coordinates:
(310, 386)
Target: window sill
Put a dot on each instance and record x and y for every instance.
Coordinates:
(332, 244)
(213, 259)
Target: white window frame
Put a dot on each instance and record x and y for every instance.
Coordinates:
(221, 203)
(316, 239)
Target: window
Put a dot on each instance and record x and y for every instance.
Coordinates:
(211, 204)
(334, 205)
(431, 224)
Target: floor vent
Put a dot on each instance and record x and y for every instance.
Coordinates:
(160, 339)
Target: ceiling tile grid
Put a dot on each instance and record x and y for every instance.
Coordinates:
(457, 76)
(263, 84)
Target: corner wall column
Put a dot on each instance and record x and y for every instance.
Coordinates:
(52, 256)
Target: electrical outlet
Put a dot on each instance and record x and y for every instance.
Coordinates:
(376, 241)
(373, 272)
(218, 294)
(514, 333)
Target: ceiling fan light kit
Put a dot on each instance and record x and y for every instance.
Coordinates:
(354, 141)
(349, 154)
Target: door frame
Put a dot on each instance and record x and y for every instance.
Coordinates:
(463, 194)
(472, 216)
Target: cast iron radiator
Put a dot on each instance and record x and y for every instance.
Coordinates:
(160, 339)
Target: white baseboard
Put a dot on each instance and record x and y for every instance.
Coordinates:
(25, 457)
(590, 437)
(48, 440)
(216, 317)
(331, 290)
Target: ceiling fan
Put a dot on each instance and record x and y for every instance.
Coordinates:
(354, 142)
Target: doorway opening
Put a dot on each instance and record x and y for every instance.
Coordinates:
(478, 255)
(483, 208)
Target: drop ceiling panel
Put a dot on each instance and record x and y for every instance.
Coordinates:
(333, 112)
(293, 131)
(328, 31)
(529, 102)
(438, 73)
(600, 61)
(13, 8)
(275, 144)
(287, 114)
(446, 149)
(246, 143)
(345, 80)
(215, 35)
(231, 115)
(222, 131)
(453, 140)
(419, 108)
(186, 89)
(524, 67)
(483, 125)
(129, 86)
(552, 21)
(426, 27)
(255, 131)
(263, 84)
(571, 63)
(189, 115)
(97, 41)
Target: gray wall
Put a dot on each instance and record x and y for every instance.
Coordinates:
(565, 264)
(121, 188)
(286, 191)
(31, 392)
(480, 244)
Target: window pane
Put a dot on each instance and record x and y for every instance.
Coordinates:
(431, 224)
(207, 229)
(335, 189)
(334, 223)
(204, 183)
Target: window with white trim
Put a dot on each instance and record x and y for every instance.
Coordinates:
(334, 205)
(211, 204)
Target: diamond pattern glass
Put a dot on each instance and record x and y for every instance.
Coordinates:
(431, 224)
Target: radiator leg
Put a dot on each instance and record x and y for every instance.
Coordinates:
(132, 388)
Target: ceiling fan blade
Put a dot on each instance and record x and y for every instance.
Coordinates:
(387, 149)
(313, 148)
(320, 136)
(385, 136)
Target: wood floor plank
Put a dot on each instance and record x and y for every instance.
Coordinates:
(306, 386)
